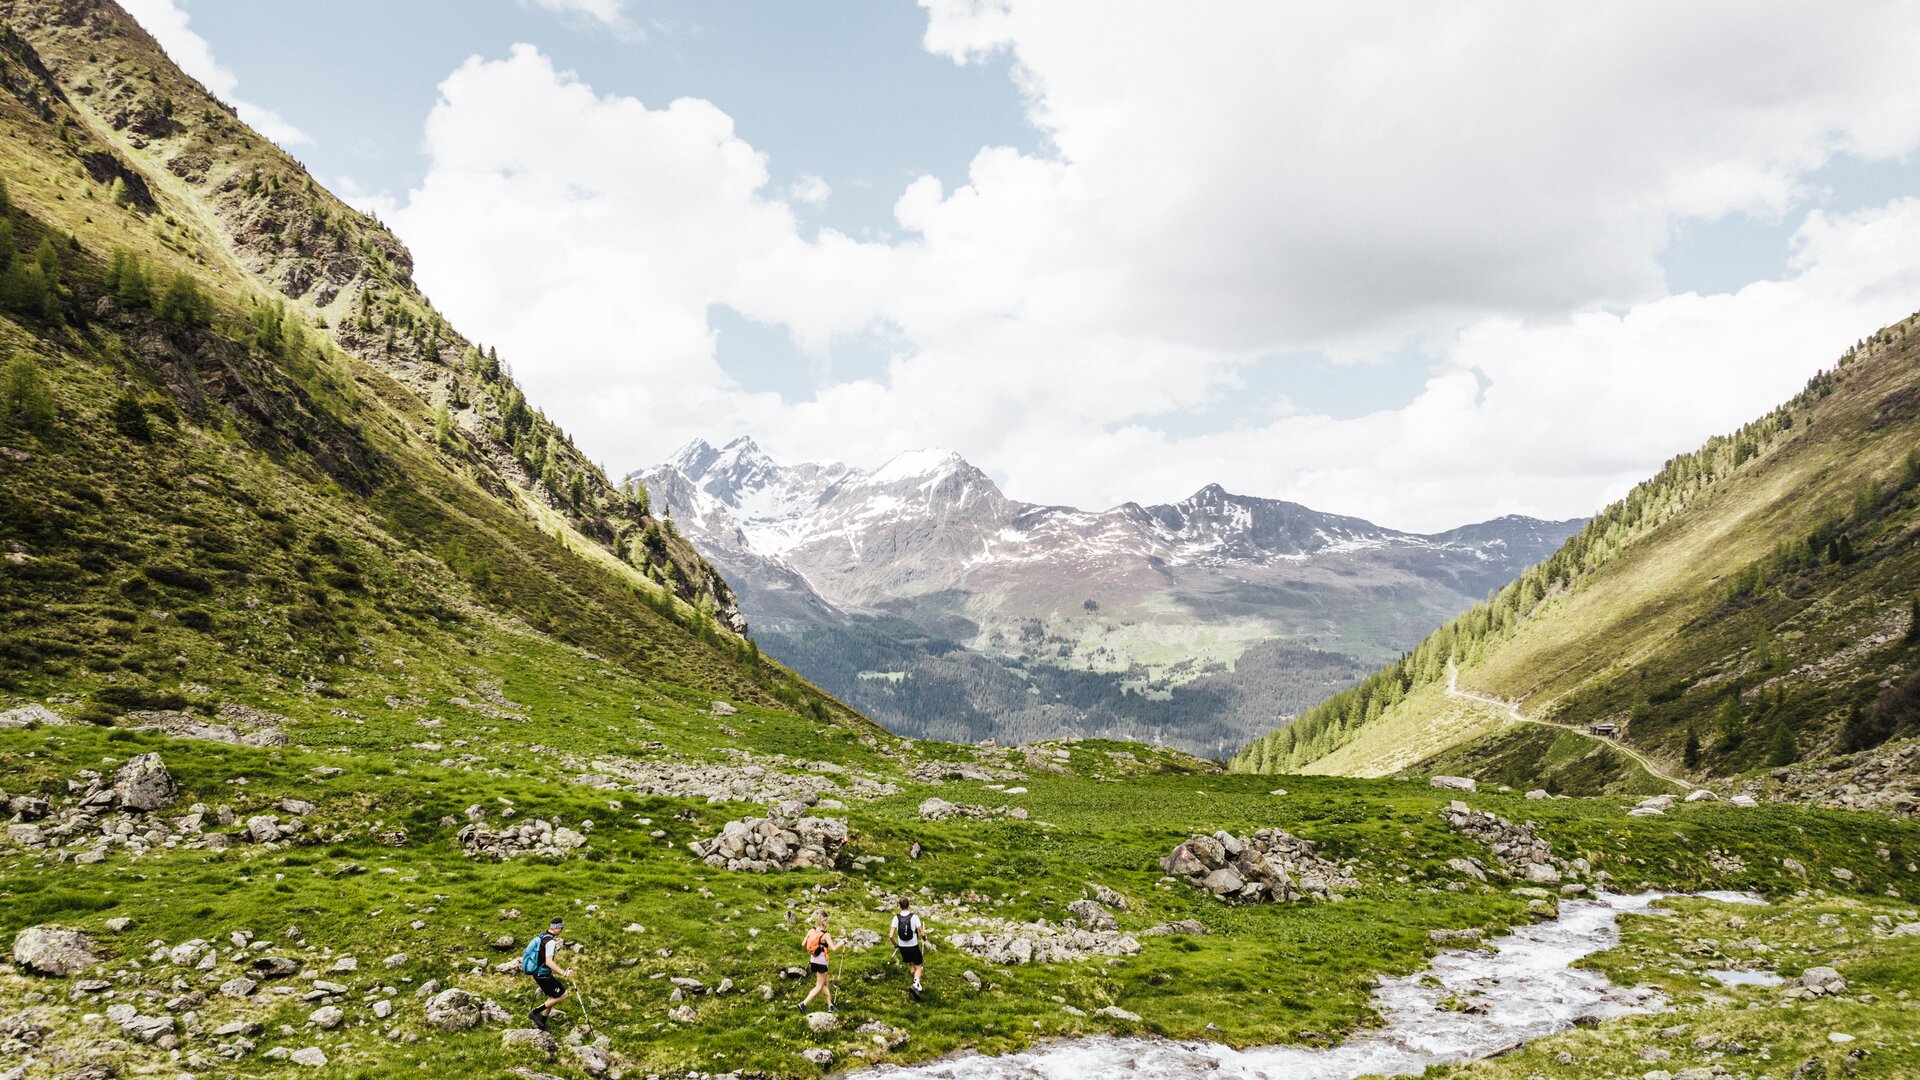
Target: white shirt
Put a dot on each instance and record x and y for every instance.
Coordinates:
(913, 924)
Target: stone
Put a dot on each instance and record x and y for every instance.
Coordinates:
(144, 783)
(1117, 1013)
(296, 807)
(1448, 937)
(1743, 800)
(327, 1017)
(274, 967)
(1824, 979)
(593, 1060)
(533, 1037)
(453, 1010)
(1093, 915)
(238, 988)
(1453, 783)
(398, 959)
(147, 1029)
(1224, 880)
(1543, 873)
(821, 1022)
(383, 1008)
(1701, 795)
(721, 708)
(819, 1055)
(50, 950)
(1470, 867)
(311, 1056)
(1539, 793)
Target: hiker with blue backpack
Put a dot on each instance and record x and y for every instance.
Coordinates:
(539, 960)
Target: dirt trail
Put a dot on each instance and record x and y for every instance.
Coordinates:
(1514, 714)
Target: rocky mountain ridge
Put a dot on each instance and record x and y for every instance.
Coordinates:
(1147, 597)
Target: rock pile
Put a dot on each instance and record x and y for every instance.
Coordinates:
(759, 845)
(751, 782)
(1042, 943)
(1517, 848)
(938, 809)
(241, 726)
(537, 837)
(1817, 981)
(122, 811)
(939, 772)
(1270, 866)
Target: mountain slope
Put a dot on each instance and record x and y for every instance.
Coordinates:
(1755, 599)
(922, 594)
(260, 459)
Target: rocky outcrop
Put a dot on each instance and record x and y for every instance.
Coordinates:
(244, 726)
(938, 809)
(144, 784)
(1518, 849)
(1271, 866)
(773, 843)
(537, 837)
(753, 782)
(1042, 943)
(52, 950)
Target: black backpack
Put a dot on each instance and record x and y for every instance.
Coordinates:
(903, 929)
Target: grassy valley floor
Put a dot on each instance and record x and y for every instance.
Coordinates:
(376, 871)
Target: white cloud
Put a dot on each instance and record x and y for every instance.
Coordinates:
(811, 190)
(169, 26)
(1493, 181)
(611, 14)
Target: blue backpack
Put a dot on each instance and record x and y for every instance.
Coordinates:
(531, 960)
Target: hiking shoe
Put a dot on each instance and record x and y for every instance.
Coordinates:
(539, 1019)
(802, 1006)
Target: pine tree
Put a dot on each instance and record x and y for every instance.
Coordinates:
(1780, 748)
(1690, 754)
(1728, 721)
(26, 402)
(443, 426)
(183, 304)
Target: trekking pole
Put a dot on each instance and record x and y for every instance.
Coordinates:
(583, 1001)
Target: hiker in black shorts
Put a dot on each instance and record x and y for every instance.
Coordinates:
(544, 952)
(905, 932)
(819, 947)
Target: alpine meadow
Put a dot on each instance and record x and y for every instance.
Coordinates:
(336, 675)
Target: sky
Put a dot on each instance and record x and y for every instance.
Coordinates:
(1426, 264)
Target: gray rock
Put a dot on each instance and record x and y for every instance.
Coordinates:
(311, 1056)
(819, 1055)
(1117, 1013)
(239, 988)
(327, 1017)
(383, 1008)
(147, 1029)
(1454, 783)
(593, 1060)
(1093, 915)
(1224, 880)
(50, 950)
(453, 1010)
(144, 783)
(533, 1037)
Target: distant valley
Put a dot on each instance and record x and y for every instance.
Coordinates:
(921, 594)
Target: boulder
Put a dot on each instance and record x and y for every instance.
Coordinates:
(50, 950)
(822, 1022)
(1115, 1012)
(453, 1010)
(1453, 783)
(1093, 915)
(1701, 795)
(533, 1037)
(144, 784)
(147, 1029)
(327, 1017)
(1223, 881)
(311, 1056)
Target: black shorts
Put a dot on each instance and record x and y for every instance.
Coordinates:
(910, 954)
(820, 967)
(550, 986)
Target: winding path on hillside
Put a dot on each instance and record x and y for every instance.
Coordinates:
(1514, 714)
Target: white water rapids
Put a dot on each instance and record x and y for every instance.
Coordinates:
(1521, 989)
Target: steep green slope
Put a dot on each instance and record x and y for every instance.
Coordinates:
(1754, 601)
(243, 451)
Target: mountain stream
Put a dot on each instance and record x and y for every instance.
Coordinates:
(1519, 989)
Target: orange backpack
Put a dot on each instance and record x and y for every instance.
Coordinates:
(816, 944)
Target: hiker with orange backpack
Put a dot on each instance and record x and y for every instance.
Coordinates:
(819, 946)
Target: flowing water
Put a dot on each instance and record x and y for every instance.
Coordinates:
(1520, 989)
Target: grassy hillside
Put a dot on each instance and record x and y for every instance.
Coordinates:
(1750, 607)
(242, 451)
